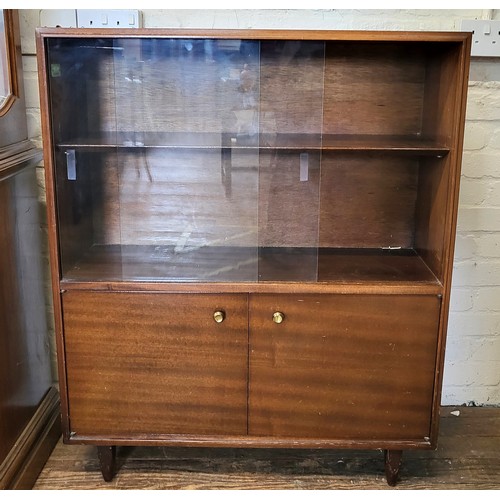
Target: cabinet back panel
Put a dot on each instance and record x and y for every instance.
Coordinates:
(342, 367)
(160, 198)
(367, 201)
(178, 198)
(289, 204)
(155, 363)
(373, 89)
(186, 85)
(291, 87)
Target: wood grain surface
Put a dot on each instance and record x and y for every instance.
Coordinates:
(260, 34)
(155, 363)
(468, 458)
(342, 367)
(373, 89)
(24, 357)
(367, 201)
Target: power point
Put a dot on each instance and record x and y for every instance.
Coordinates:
(87, 18)
(485, 37)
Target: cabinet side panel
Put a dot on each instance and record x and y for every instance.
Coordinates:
(431, 212)
(24, 356)
(155, 363)
(442, 88)
(342, 367)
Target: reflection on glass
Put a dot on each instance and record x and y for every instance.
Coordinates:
(4, 62)
(158, 178)
(185, 208)
(188, 160)
(188, 164)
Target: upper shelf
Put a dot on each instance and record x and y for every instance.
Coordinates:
(287, 142)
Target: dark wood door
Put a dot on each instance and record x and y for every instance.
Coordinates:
(153, 363)
(342, 366)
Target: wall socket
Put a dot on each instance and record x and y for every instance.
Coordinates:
(88, 18)
(485, 38)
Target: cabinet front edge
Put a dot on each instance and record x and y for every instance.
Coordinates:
(245, 442)
(340, 288)
(260, 34)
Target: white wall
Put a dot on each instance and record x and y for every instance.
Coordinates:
(472, 369)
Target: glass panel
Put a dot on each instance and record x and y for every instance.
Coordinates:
(155, 178)
(187, 118)
(5, 89)
(291, 126)
(84, 156)
(192, 160)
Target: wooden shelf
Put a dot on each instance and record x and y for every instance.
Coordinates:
(242, 264)
(383, 143)
(287, 142)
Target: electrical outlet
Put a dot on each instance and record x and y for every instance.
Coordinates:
(485, 38)
(87, 18)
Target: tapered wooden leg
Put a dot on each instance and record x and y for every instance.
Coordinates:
(393, 459)
(106, 456)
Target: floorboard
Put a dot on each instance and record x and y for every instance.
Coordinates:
(468, 457)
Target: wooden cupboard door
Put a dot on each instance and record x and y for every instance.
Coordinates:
(342, 366)
(152, 363)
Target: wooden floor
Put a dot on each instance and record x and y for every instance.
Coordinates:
(468, 457)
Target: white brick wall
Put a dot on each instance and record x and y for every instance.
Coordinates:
(472, 369)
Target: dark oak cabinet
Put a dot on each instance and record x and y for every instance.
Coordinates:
(252, 234)
(29, 403)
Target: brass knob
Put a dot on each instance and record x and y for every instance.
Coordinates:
(219, 316)
(278, 317)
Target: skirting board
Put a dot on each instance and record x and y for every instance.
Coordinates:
(23, 464)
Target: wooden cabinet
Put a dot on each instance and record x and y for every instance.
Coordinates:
(29, 412)
(252, 234)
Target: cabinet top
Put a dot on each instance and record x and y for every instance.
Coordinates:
(260, 34)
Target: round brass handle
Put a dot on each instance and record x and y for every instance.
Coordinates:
(219, 316)
(278, 317)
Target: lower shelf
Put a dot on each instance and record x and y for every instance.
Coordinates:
(242, 264)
